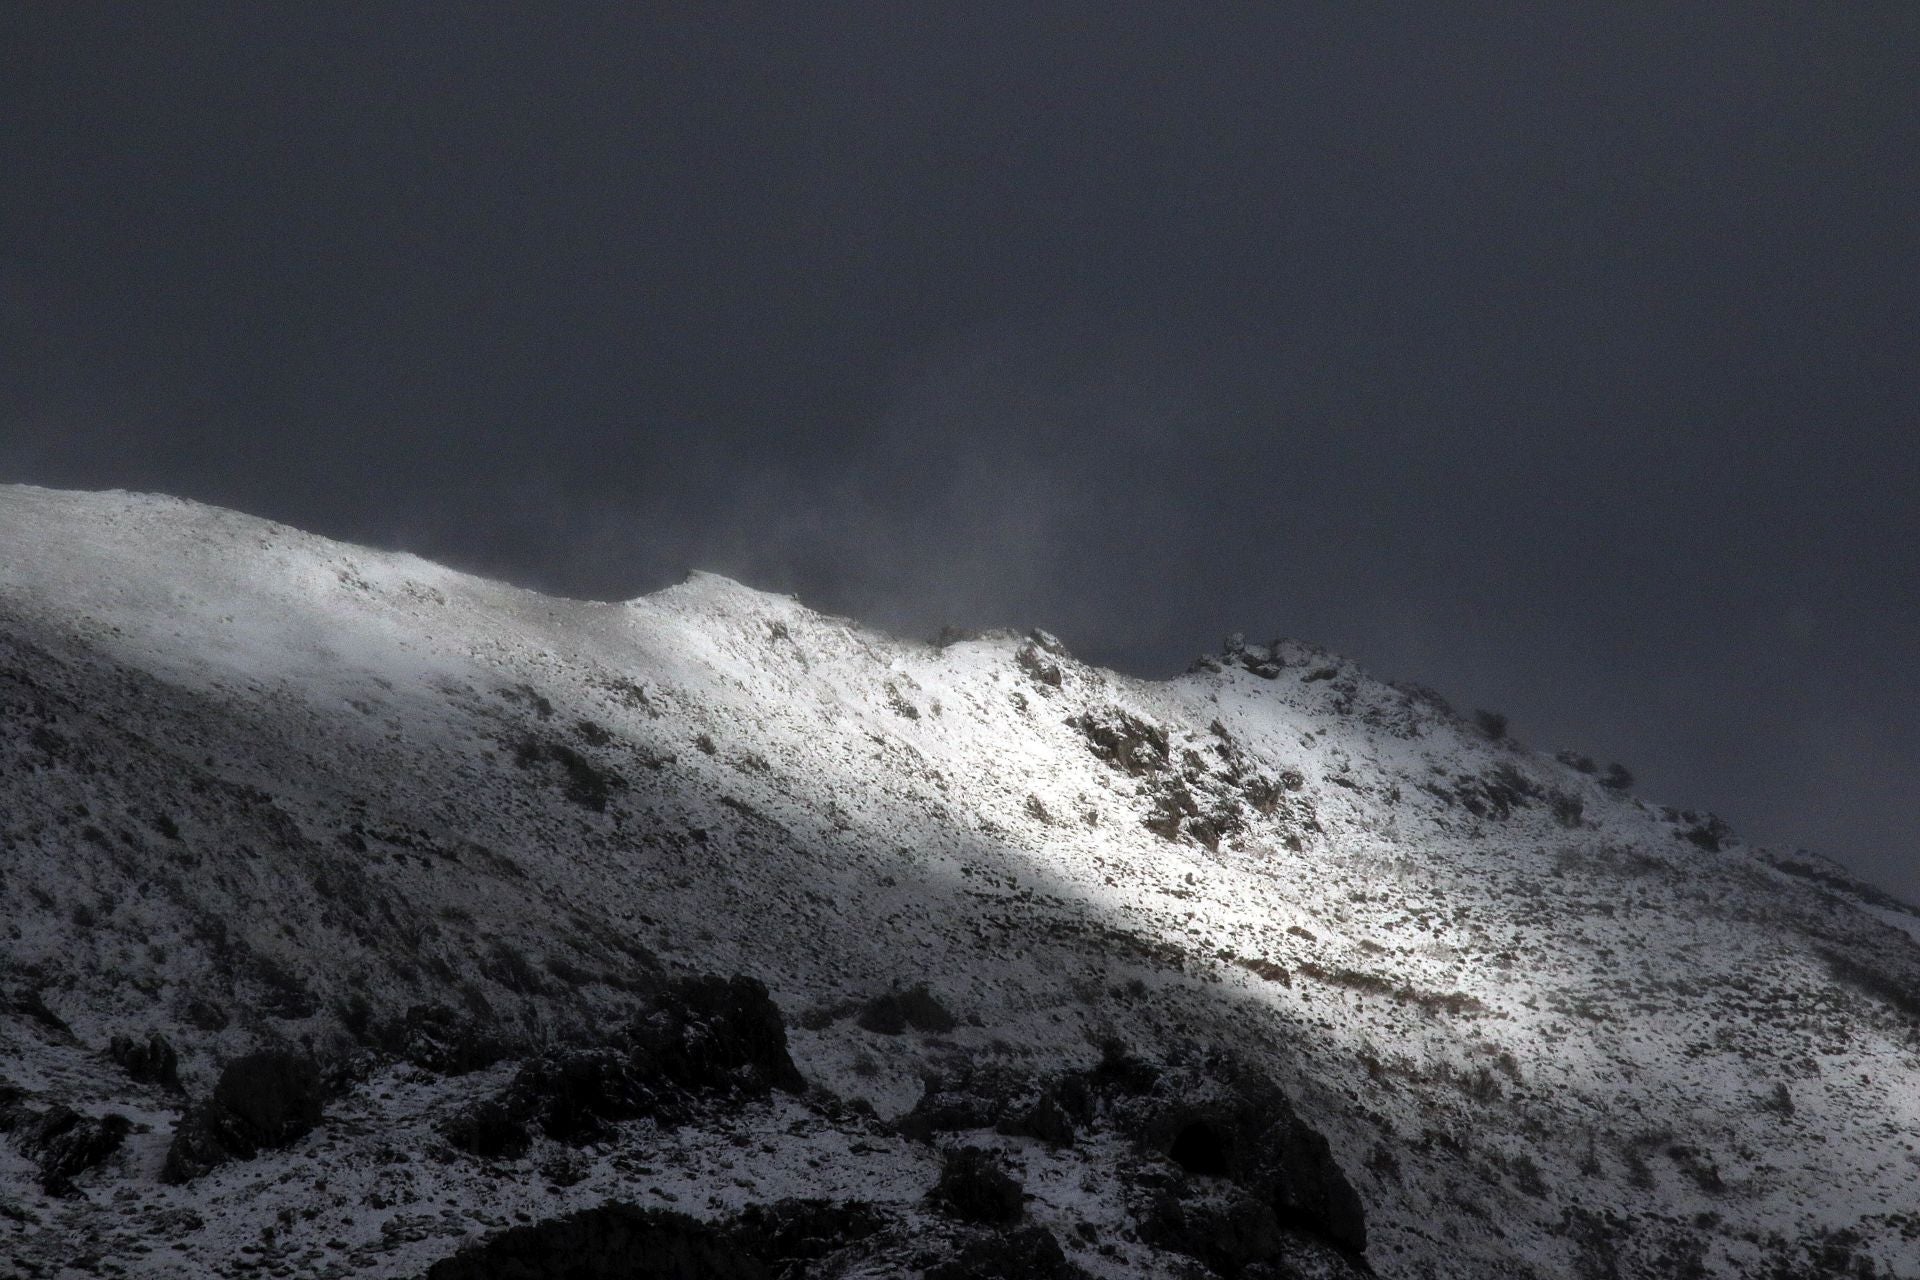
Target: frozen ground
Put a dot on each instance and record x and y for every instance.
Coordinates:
(260, 788)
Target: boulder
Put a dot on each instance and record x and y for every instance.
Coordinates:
(621, 1241)
(150, 1061)
(263, 1101)
(64, 1143)
(1028, 1253)
(698, 1039)
(975, 1187)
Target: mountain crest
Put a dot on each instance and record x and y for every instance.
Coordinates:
(1270, 966)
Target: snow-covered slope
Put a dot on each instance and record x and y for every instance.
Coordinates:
(260, 788)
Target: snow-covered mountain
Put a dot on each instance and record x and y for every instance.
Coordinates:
(1272, 969)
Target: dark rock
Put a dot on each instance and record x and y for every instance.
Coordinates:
(205, 1015)
(1124, 741)
(64, 1143)
(274, 1096)
(1215, 1122)
(1010, 1102)
(882, 1015)
(436, 1038)
(1308, 1188)
(624, 1242)
(1045, 1118)
(263, 1101)
(152, 1061)
(975, 1187)
(491, 1129)
(699, 1038)
(1228, 1233)
(577, 1093)
(717, 1035)
(894, 1012)
(1029, 1253)
(31, 1004)
(13, 1108)
(612, 1242)
(791, 1232)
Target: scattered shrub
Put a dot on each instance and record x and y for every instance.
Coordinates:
(1568, 809)
(1577, 762)
(1709, 832)
(505, 964)
(1492, 725)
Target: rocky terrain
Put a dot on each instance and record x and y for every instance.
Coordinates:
(361, 917)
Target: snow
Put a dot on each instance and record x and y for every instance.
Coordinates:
(1459, 989)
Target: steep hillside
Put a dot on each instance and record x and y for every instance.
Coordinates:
(1270, 969)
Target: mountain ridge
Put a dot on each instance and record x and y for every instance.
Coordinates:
(1542, 1026)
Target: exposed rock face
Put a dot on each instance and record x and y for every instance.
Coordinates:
(1027, 1253)
(150, 1061)
(257, 782)
(1252, 1177)
(624, 1242)
(975, 1187)
(716, 1034)
(1206, 790)
(1015, 1103)
(60, 1141)
(262, 1102)
(700, 1038)
(437, 1038)
(1222, 1125)
(893, 1012)
(614, 1242)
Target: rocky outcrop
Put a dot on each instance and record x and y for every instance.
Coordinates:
(261, 1102)
(698, 1039)
(1249, 1179)
(150, 1061)
(892, 1013)
(1015, 1103)
(975, 1186)
(1026, 1253)
(60, 1141)
(1224, 1127)
(619, 1241)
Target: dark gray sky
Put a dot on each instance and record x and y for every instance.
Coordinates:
(1564, 358)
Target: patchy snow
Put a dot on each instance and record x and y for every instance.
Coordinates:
(1546, 1027)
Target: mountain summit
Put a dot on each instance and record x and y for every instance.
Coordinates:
(362, 917)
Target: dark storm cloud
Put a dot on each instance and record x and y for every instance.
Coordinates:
(1565, 361)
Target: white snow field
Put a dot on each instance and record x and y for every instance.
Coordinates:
(260, 788)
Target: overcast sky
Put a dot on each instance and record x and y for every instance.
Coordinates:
(1564, 358)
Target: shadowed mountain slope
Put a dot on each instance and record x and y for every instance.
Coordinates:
(1396, 994)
